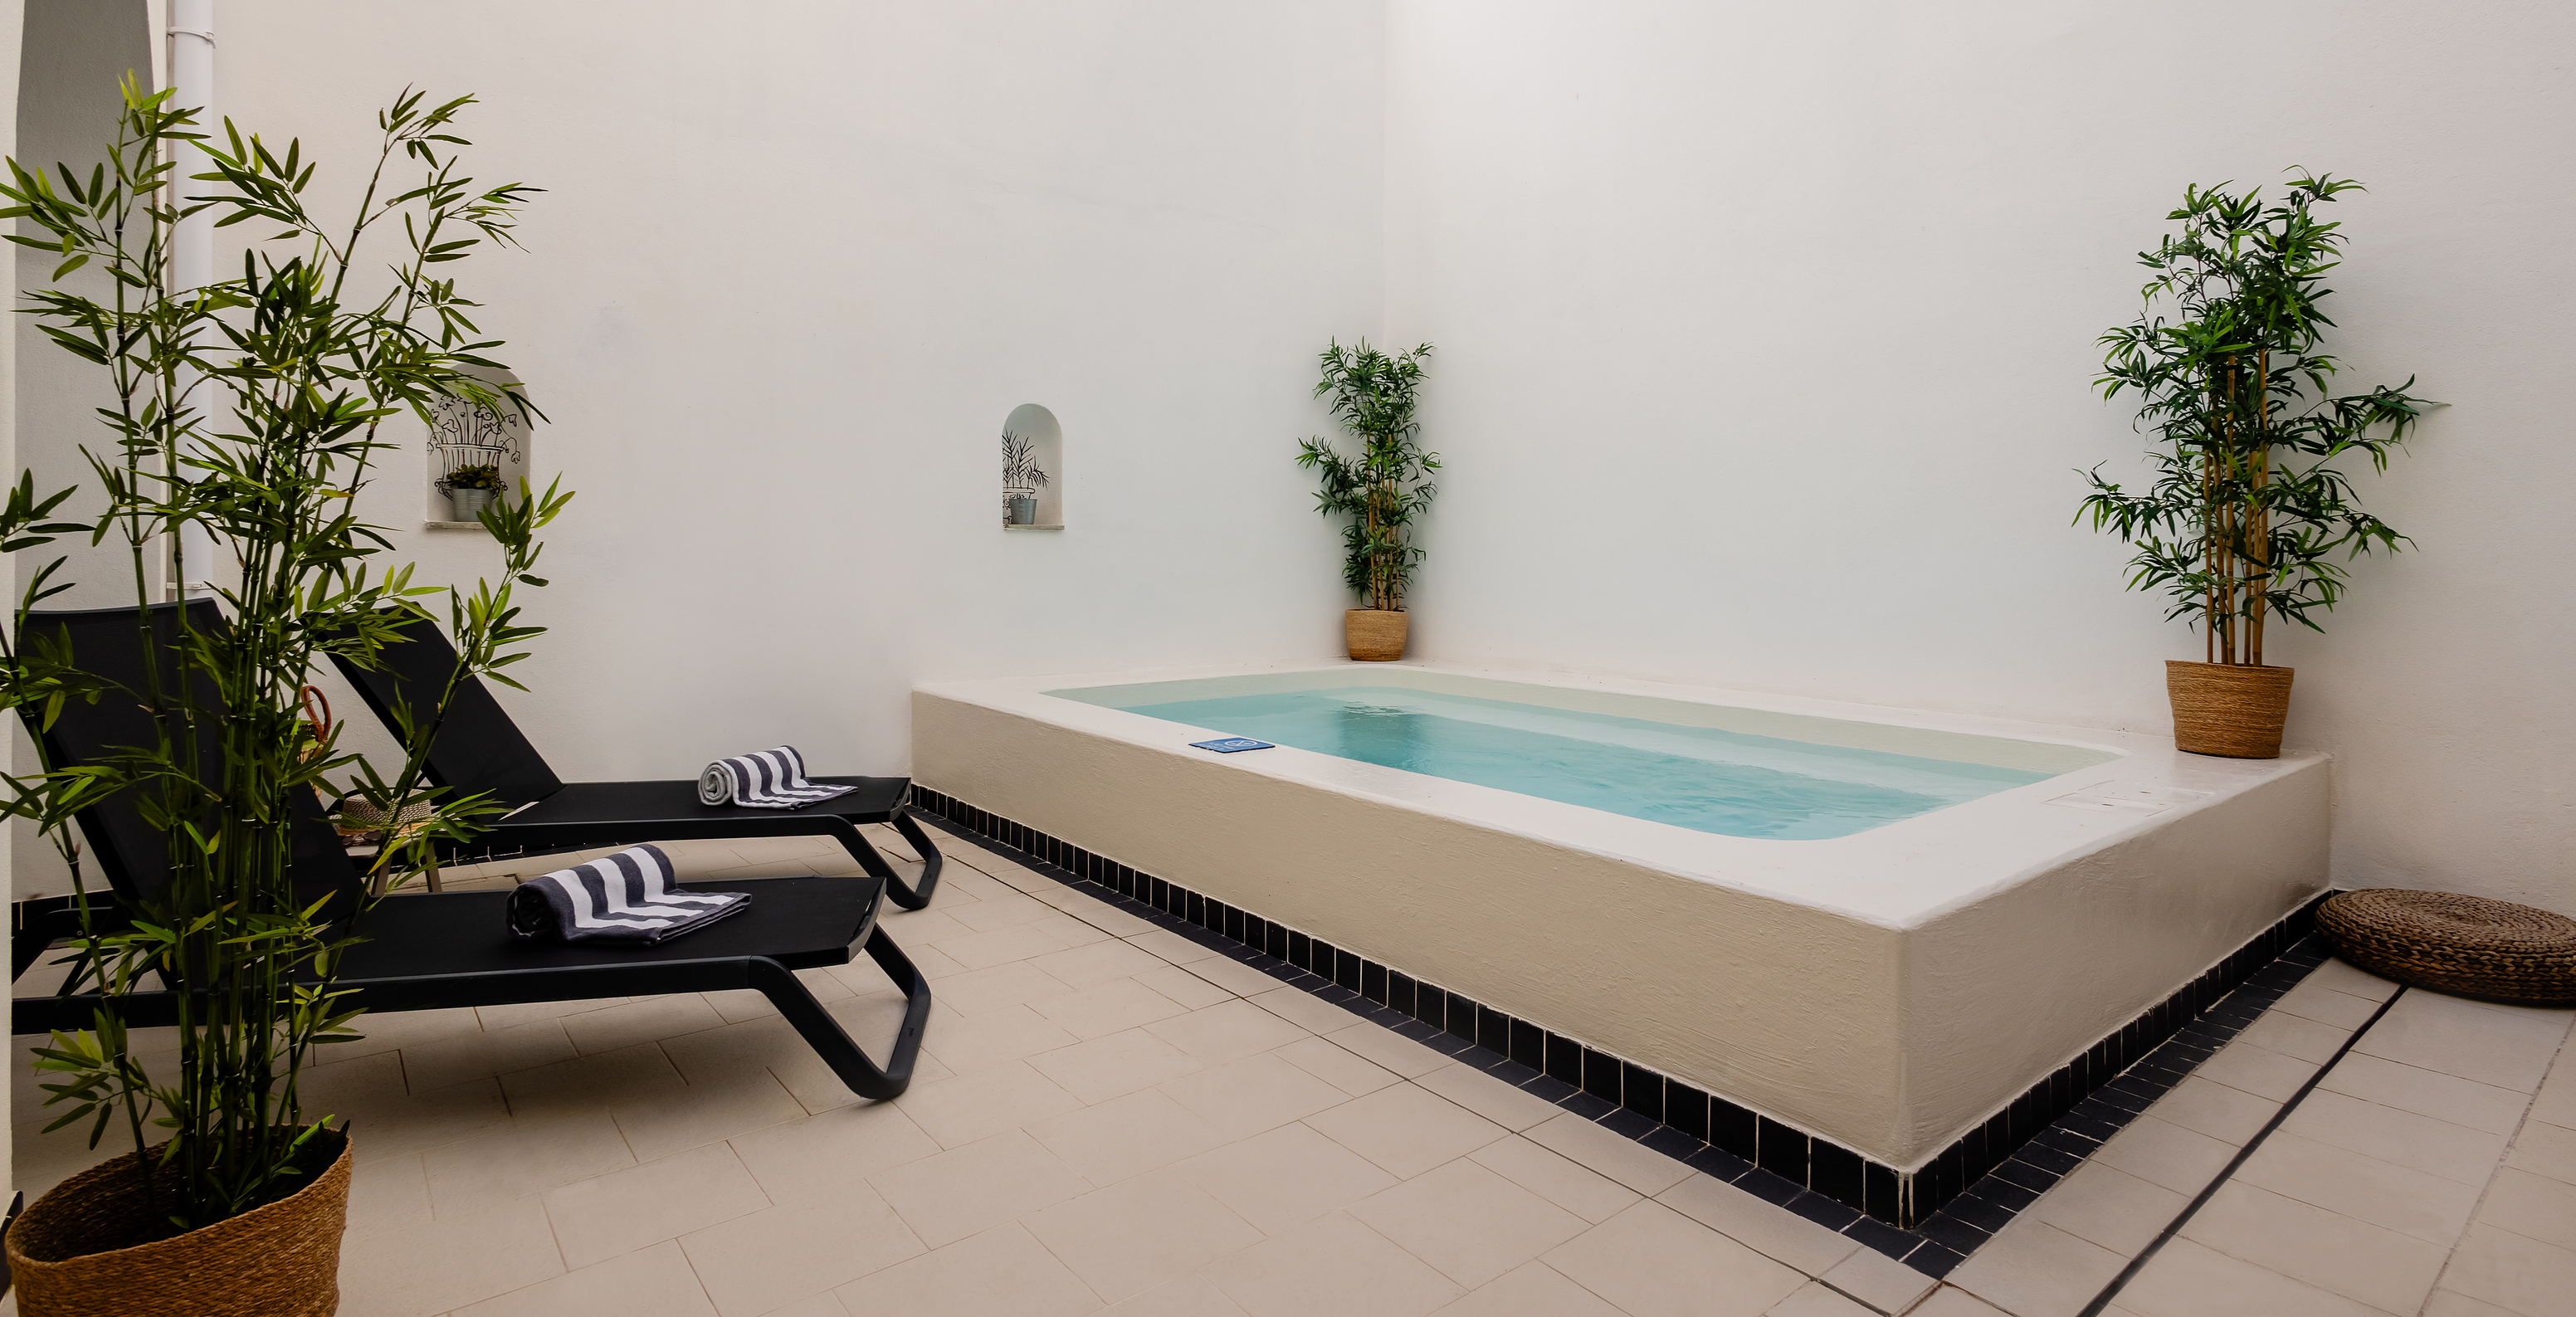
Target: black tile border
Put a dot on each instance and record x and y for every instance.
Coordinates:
(1931, 1218)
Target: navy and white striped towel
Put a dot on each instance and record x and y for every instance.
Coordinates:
(627, 897)
(771, 779)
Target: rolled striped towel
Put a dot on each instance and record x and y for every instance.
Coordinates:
(627, 897)
(771, 779)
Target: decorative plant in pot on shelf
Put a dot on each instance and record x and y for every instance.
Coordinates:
(251, 407)
(1021, 480)
(470, 489)
(2246, 513)
(1374, 396)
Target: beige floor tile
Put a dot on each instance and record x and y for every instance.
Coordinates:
(1774, 1232)
(2034, 1269)
(2322, 1002)
(1234, 976)
(1286, 1177)
(976, 1106)
(1651, 1261)
(921, 928)
(2437, 1147)
(2557, 1101)
(1001, 946)
(2454, 1037)
(1115, 922)
(1406, 1130)
(2344, 976)
(503, 1017)
(1303, 1009)
(1226, 1031)
(1001, 910)
(1190, 1296)
(1587, 1194)
(1389, 1049)
(2545, 1150)
(1623, 1159)
(2514, 1272)
(1099, 962)
(659, 1124)
(590, 1082)
(1512, 1108)
(416, 1122)
(604, 1217)
(1813, 1299)
(1182, 986)
(375, 1078)
(931, 961)
(2257, 1070)
(1168, 945)
(1123, 1062)
(2228, 1115)
(1466, 1221)
(738, 1004)
(1951, 1301)
(2297, 1036)
(1003, 1272)
(2532, 1206)
(1335, 1265)
(2363, 1262)
(442, 1062)
(1535, 1289)
(390, 1194)
(446, 1265)
(1336, 1066)
(2105, 1205)
(1879, 1280)
(641, 1020)
(1126, 1136)
(2447, 1303)
(386, 1031)
(522, 1157)
(2427, 1093)
(758, 1263)
(655, 1282)
(969, 1190)
(1107, 1008)
(994, 1037)
(2186, 1279)
(1067, 930)
(810, 1155)
(2385, 1194)
(1148, 1231)
(1257, 1093)
(2166, 1154)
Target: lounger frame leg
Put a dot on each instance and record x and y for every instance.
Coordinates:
(830, 1042)
(911, 896)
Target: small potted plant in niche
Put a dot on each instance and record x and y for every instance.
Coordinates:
(1374, 396)
(2246, 513)
(1021, 480)
(470, 489)
(233, 1195)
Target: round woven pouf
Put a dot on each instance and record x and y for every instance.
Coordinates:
(2460, 944)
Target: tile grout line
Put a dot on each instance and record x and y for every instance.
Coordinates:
(2511, 1143)
(2228, 1172)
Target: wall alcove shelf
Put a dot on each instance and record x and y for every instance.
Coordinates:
(1033, 467)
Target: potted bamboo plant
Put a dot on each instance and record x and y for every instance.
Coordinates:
(1374, 396)
(2246, 513)
(470, 489)
(252, 407)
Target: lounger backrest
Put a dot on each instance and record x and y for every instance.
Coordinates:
(478, 749)
(130, 853)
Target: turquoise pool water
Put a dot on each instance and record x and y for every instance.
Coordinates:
(1729, 783)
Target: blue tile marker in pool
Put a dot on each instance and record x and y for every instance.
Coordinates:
(1231, 744)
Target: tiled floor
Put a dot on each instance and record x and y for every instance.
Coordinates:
(1112, 1119)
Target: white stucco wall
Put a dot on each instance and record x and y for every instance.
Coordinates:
(1765, 337)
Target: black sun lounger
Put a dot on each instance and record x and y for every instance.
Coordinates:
(480, 750)
(452, 949)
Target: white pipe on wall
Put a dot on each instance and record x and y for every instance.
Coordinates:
(192, 248)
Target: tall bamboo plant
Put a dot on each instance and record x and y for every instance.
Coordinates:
(1374, 396)
(2246, 512)
(252, 407)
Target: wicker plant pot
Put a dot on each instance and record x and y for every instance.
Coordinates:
(2466, 945)
(282, 1260)
(1374, 635)
(2228, 709)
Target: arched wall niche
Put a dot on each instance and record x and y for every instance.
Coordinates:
(1032, 469)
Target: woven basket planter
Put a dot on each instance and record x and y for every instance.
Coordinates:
(2228, 709)
(2466, 945)
(1374, 635)
(281, 1260)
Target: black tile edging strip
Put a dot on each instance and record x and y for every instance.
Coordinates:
(1930, 1219)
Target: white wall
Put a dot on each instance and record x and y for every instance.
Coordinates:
(797, 263)
(1765, 337)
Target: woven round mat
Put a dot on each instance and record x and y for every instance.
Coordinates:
(2453, 943)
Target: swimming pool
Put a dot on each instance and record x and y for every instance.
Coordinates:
(1708, 779)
